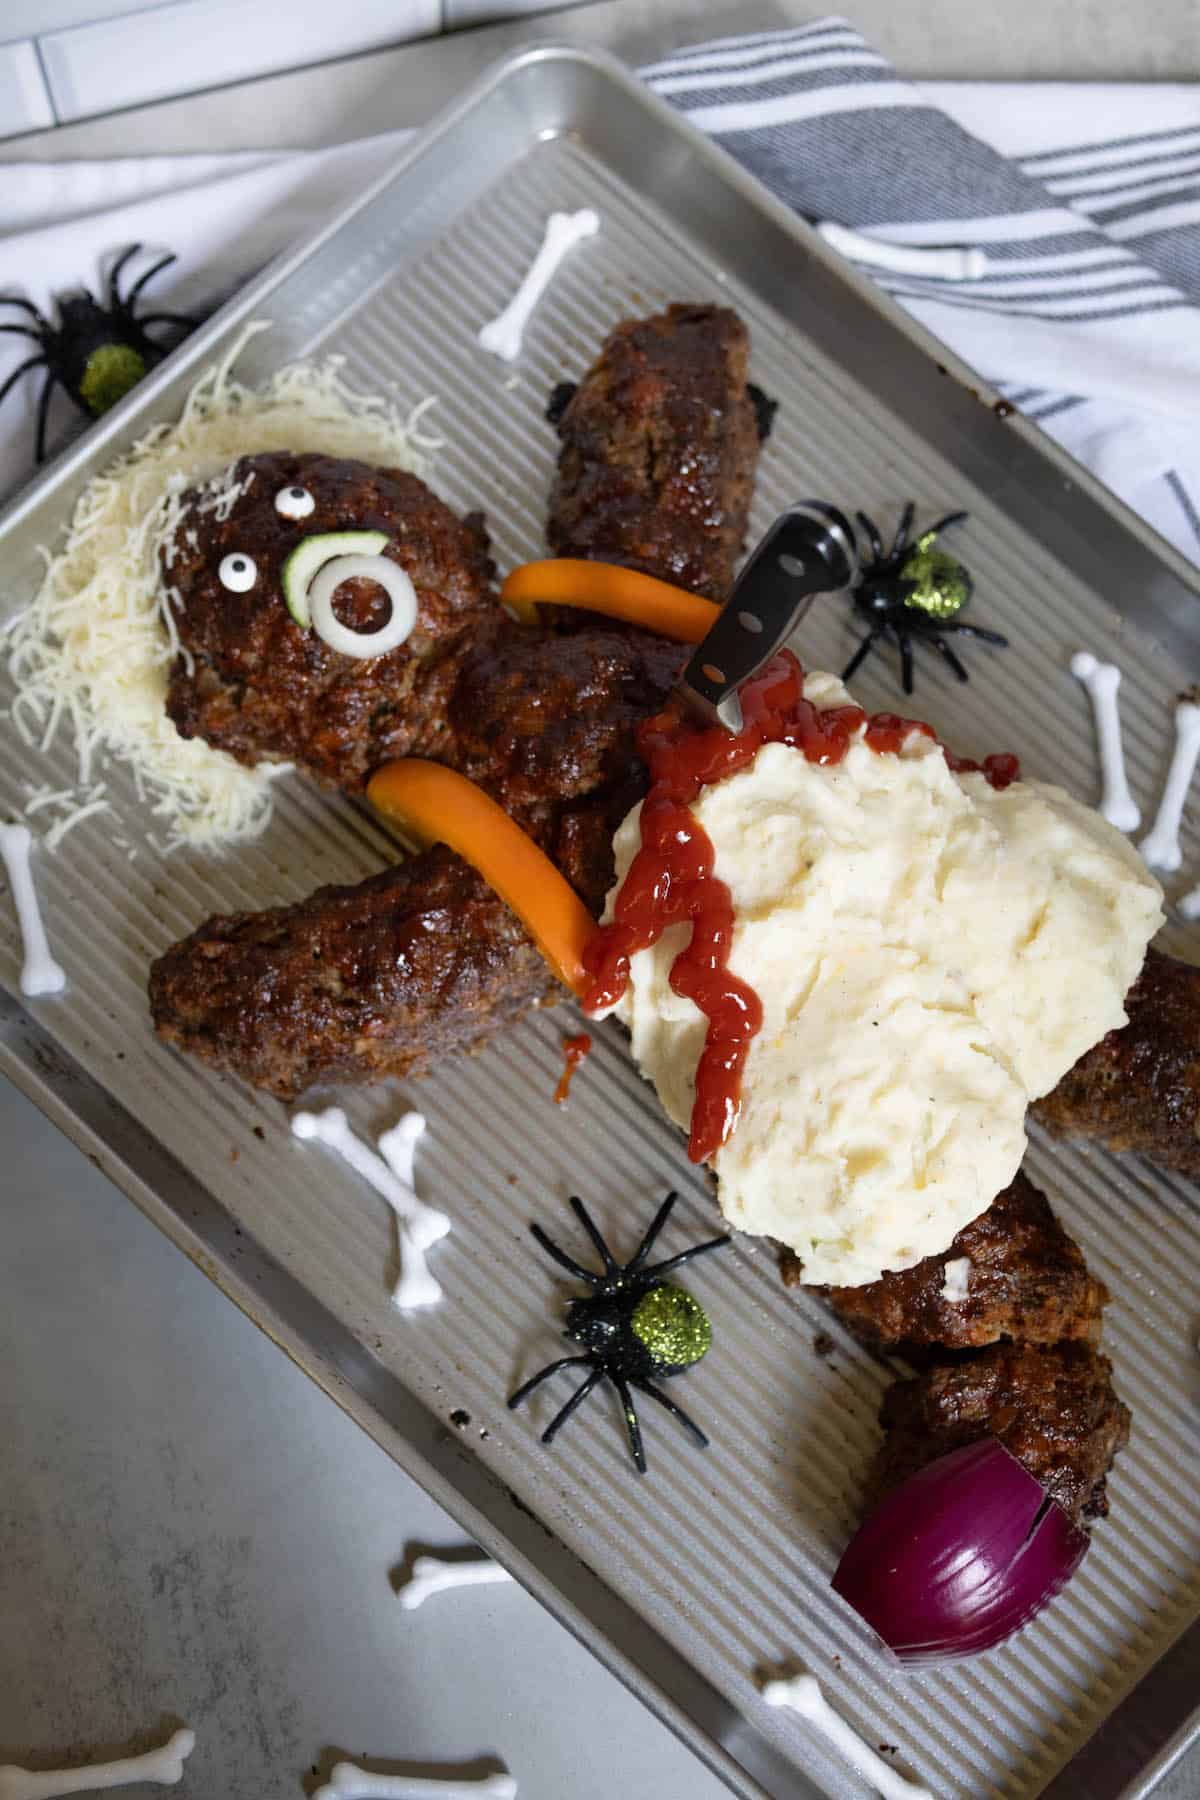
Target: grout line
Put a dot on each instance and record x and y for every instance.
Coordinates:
(45, 74)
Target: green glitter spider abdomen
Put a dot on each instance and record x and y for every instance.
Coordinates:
(110, 373)
(673, 1326)
(941, 587)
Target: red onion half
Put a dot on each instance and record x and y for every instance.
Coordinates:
(959, 1556)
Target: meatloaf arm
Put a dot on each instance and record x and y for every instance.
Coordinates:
(1027, 1281)
(1139, 1087)
(383, 978)
(659, 447)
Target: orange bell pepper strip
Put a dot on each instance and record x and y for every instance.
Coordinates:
(436, 805)
(608, 588)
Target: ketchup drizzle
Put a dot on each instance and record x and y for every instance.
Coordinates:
(574, 1051)
(671, 881)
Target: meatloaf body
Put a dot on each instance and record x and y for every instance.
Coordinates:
(546, 722)
(423, 961)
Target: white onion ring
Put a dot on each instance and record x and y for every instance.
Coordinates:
(395, 583)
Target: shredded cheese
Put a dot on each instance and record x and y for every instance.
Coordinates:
(95, 646)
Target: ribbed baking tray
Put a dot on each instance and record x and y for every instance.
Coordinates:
(716, 1567)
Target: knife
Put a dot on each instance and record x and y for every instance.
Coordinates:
(809, 550)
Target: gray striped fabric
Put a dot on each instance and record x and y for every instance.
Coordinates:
(1086, 316)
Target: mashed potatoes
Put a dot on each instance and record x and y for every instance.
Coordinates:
(930, 954)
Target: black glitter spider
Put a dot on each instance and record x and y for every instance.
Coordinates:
(97, 353)
(915, 591)
(633, 1325)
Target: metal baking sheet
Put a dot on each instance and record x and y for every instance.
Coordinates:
(715, 1568)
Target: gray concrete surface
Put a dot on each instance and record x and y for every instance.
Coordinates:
(187, 1528)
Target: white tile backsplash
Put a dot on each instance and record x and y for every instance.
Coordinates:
(194, 44)
(33, 18)
(24, 102)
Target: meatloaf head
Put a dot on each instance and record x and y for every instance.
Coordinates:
(255, 683)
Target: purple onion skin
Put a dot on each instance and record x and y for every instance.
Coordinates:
(956, 1558)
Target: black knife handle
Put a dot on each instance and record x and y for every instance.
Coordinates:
(809, 550)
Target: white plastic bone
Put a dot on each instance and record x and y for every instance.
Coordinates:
(1102, 680)
(904, 259)
(1189, 906)
(433, 1575)
(502, 335)
(348, 1782)
(803, 1695)
(420, 1226)
(40, 974)
(164, 1767)
(1160, 846)
(398, 1147)
(415, 1286)
(332, 1128)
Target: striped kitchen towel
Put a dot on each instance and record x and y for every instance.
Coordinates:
(1084, 201)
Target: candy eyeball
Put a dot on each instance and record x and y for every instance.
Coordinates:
(238, 573)
(294, 503)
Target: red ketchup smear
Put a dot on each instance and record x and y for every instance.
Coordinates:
(671, 881)
(574, 1051)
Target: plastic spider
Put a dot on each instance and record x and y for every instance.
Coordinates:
(633, 1325)
(915, 592)
(97, 353)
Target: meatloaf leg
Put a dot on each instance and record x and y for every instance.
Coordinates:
(1016, 1359)
(1139, 1087)
(1051, 1405)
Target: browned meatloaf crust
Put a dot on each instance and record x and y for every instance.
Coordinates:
(1052, 1406)
(1028, 1281)
(258, 685)
(1139, 1087)
(378, 979)
(423, 961)
(659, 447)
